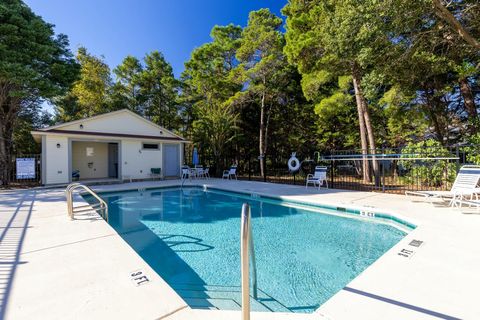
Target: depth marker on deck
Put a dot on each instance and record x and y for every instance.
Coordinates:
(139, 278)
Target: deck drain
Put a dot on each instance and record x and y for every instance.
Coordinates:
(408, 253)
(415, 243)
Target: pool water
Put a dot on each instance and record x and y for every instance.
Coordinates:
(191, 238)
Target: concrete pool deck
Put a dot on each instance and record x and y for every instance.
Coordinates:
(54, 268)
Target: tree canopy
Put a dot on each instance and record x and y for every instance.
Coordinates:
(35, 65)
(333, 74)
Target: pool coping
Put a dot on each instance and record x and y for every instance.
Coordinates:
(364, 212)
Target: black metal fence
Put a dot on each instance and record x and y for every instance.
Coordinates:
(24, 171)
(392, 170)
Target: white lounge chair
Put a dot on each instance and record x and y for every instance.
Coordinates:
(459, 203)
(319, 177)
(230, 174)
(465, 185)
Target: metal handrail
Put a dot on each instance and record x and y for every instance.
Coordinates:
(69, 194)
(247, 251)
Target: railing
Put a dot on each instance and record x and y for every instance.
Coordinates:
(101, 205)
(247, 251)
(392, 170)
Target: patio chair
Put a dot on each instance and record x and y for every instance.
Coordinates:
(230, 174)
(200, 172)
(206, 172)
(186, 173)
(156, 173)
(466, 184)
(75, 175)
(319, 177)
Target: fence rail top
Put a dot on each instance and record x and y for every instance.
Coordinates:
(386, 156)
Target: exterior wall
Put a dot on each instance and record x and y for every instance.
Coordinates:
(122, 122)
(137, 162)
(134, 161)
(56, 164)
(99, 159)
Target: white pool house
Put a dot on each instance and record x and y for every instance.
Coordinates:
(115, 146)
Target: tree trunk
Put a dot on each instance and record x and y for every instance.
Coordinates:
(361, 122)
(8, 113)
(366, 115)
(261, 142)
(469, 102)
(442, 12)
(371, 140)
(3, 155)
(432, 104)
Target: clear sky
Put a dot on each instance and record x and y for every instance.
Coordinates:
(117, 28)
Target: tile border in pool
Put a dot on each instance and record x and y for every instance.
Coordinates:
(367, 213)
(364, 212)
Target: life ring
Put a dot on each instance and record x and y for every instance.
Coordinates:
(293, 163)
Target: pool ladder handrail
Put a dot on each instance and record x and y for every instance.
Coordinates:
(102, 205)
(247, 251)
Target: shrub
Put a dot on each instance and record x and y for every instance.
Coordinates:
(431, 173)
(473, 155)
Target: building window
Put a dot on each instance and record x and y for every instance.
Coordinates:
(151, 146)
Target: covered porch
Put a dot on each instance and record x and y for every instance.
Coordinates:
(94, 161)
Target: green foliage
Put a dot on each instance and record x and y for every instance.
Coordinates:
(206, 88)
(404, 122)
(429, 173)
(28, 120)
(215, 128)
(473, 153)
(257, 88)
(125, 93)
(90, 91)
(35, 65)
(263, 71)
(159, 91)
(33, 61)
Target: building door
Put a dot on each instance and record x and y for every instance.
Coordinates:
(113, 160)
(171, 160)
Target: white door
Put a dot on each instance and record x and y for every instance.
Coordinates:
(171, 160)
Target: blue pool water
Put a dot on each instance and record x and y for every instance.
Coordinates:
(191, 238)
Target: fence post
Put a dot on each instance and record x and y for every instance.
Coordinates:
(331, 173)
(383, 169)
(264, 168)
(457, 153)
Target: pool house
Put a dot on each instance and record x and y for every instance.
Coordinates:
(115, 146)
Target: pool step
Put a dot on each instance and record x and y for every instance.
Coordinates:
(224, 298)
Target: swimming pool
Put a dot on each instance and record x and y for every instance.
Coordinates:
(191, 238)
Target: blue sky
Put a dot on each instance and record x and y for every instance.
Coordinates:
(119, 28)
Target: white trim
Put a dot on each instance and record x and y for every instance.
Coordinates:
(89, 137)
(82, 120)
(107, 115)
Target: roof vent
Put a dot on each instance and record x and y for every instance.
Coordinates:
(161, 132)
(81, 126)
